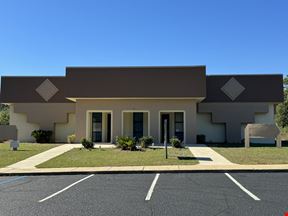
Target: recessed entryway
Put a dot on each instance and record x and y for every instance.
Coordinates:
(99, 124)
(175, 124)
(135, 123)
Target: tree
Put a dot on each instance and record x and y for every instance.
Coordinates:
(282, 109)
(4, 114)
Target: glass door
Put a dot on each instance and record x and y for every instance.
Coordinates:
(96, 127)
(138, 125)
(179, 125)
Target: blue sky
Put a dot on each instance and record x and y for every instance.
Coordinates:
(228, 36)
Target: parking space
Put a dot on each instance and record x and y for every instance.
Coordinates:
(19, 196)
(104, 194)
(271, 187)
(207, 194)
(126, 194)
(193, 194)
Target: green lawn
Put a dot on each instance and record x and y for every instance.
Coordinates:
(8, 157)
(116, 157)
(255, 155)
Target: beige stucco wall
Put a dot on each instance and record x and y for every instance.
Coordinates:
(127, 124)
(62, 130)
(262, 118)
(8, 132)
(24, 128)
(33, 116)
(45, 114)
(154, 106)
(233, 115)
(266, 118)
(213, 132)
(216, 132)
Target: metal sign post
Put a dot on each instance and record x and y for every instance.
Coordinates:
(165, 138)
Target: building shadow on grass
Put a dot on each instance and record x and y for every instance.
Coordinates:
(20, 150)
(194, 158)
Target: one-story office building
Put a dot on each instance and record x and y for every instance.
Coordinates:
(100, 103)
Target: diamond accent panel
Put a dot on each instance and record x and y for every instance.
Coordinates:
(233, 88)
(47, 90)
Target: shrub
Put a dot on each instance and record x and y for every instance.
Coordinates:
(42, 136)
(126, 143)
(87, 144)
(4, 114)
(4, 117)
(175, 142)
(71, 138)
(145, 141)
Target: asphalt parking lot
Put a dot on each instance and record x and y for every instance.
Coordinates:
(146, 194)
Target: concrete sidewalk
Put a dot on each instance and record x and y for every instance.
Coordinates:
(32, 162)
(207, 156)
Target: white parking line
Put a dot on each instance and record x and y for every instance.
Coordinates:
(242, 188)
(66, 188)
(149, 194)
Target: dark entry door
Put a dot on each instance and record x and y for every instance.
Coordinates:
(163, 118)
(109, 127)
(138, 125)
(96, 127)
(179, 125)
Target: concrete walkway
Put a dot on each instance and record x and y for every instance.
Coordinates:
(32, 162)
(207, 156)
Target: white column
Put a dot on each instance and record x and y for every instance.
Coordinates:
(278, 141)
(154, 125)
(116, 124)
(247, 136)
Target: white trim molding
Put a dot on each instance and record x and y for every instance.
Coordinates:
(136, 98)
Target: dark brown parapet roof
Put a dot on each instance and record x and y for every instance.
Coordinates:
(251, 88)
(136, 82)
(23, 89)
(107, 82)
(142, 82)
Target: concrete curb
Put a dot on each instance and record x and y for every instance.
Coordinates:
(141, 172)
(148, 169)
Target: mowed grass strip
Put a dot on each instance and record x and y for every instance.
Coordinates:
(116, 157)
(255, 155)
(8, 157)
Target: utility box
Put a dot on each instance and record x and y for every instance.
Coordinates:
(14, 145)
